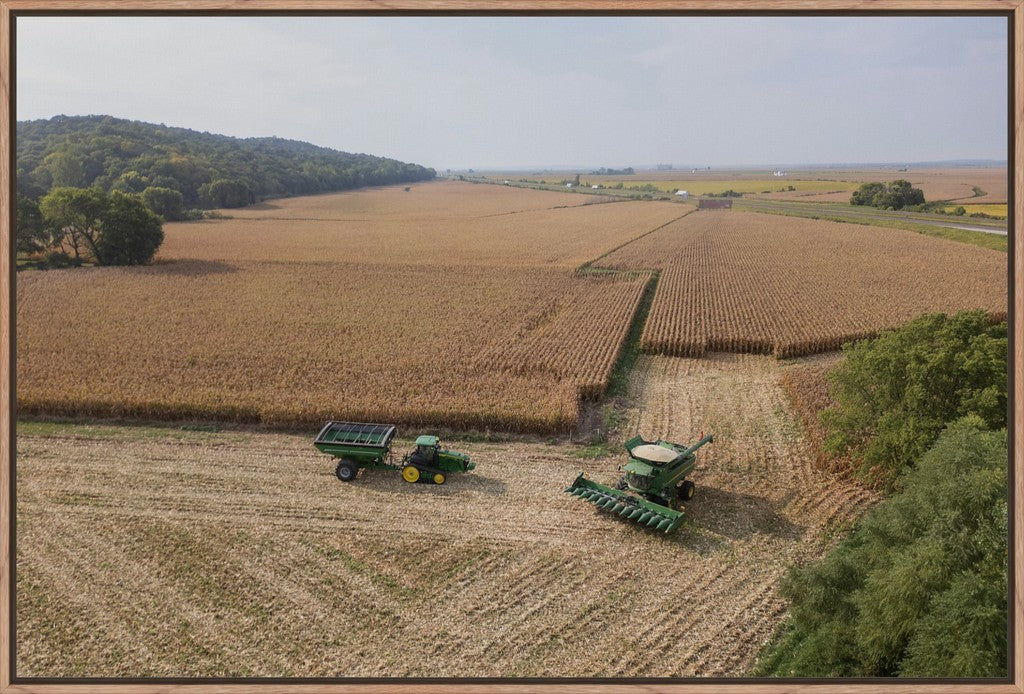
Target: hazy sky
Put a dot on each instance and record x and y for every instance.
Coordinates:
(492, 92)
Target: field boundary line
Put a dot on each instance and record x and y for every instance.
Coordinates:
(589, 265)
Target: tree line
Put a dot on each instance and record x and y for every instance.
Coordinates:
(96, 188)
(918, 587)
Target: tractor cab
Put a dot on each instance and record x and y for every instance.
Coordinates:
(426, 451)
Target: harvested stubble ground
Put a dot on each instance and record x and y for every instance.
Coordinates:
(748, 282)
(146, 552)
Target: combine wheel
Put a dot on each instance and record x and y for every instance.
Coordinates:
(686, 490)
(438, 478)
(347, 470)
(411, 473)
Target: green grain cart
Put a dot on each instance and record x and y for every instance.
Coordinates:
(654, 491)
(358, 444)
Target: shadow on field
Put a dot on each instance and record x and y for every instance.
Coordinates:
(739, 516)
(391, 481)
(263, 206)
(189, 268)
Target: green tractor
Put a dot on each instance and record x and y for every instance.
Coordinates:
(358, 445)
(654, 491)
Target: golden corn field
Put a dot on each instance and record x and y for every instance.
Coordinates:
(747, 282)
(294, 344)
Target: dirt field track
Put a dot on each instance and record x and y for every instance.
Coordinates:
(148, 552)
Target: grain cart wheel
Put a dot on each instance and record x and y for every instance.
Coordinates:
(686, 491)
(439, 478)
(411, 473)
(346, 470)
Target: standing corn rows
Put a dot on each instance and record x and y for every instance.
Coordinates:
(745, 282)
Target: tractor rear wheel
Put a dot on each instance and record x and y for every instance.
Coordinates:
(438, 478)
(411, 473)
(347, 470)
(686, 490)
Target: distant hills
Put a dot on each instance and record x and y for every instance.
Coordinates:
(208, 170)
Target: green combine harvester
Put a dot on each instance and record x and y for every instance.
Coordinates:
(358, 445)
(654, 490)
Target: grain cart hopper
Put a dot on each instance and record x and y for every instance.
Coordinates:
(654, 490)
(357, 444)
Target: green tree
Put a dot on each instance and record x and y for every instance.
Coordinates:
(71, 217)
(897, 391)
(131, 232)
(865, 195)
(918, 589)
(168, 203)
(30, 234)
(109, 229)
(225, 193)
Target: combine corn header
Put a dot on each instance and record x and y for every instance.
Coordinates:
(654, 490)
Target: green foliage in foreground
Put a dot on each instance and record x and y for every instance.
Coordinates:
(896, 392)
(919, 588)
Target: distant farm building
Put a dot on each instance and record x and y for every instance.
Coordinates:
(715, 204)
(682, 194)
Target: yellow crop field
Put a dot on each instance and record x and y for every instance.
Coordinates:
(738, 281)
(993, 210)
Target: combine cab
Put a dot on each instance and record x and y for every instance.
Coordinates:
(654, 489)
(358, 444)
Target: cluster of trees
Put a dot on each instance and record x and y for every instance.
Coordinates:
(628, 171)
(207, 170)
(894, 195)
(919, 587)
(77, 225)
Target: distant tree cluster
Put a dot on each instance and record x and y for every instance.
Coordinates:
(207, 170)
(894, 195)
(628, 171)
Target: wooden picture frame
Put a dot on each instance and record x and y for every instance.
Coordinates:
(11, 9)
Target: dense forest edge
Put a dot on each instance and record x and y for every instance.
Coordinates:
(918, 587)
(206, 169)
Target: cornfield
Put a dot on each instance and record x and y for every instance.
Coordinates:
(293, 344)
(744, 282)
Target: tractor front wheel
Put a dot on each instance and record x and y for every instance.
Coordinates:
(347, 470)
(411, 473)
(438, 478)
